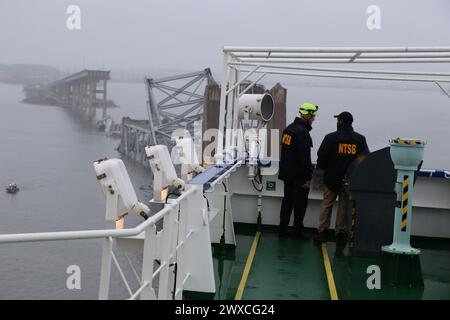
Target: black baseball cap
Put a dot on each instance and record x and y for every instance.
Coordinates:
(345, 117)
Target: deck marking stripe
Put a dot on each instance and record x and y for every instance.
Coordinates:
(330, 278)
(248, 265)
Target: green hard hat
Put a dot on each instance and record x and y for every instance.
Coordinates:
(308, 108)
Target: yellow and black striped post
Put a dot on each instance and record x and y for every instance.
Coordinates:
(402, 218)
(406, 154)
(405, 195)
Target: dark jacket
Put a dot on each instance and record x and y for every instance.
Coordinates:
(295, 160)
(337, 151)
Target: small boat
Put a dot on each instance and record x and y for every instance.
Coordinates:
(12, 188)
(101, 125)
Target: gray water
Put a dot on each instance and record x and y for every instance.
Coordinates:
(48, 152)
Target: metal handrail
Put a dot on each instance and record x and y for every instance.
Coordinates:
(337, 70)
(109, 234)
(93, 234)
(224, 175)
(336, 49)
(275, 60)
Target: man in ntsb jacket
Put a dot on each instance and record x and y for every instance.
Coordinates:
(296, 168)
(335, 154)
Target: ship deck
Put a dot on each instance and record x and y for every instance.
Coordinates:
(290, 268)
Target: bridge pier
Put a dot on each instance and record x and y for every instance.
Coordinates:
(83, 92)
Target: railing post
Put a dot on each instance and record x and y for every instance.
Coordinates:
(110, 218)
(196, 276)
(105, 273)
(147, 263)
(180, 257)
(167, 248)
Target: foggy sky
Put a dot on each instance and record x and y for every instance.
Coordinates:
(189, 35)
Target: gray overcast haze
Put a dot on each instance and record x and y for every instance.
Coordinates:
(181, 34)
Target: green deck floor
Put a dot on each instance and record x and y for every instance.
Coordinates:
(350, 274)
(288, 268)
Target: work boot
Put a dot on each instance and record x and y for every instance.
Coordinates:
(341, 238)
(320, 237)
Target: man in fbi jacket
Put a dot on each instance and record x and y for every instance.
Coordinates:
(296, 168)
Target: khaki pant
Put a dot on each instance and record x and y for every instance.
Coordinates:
(343, 211)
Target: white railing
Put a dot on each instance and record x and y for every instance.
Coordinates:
(254, 63)
(184, 242)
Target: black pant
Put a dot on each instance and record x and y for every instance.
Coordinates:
(294, 196)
